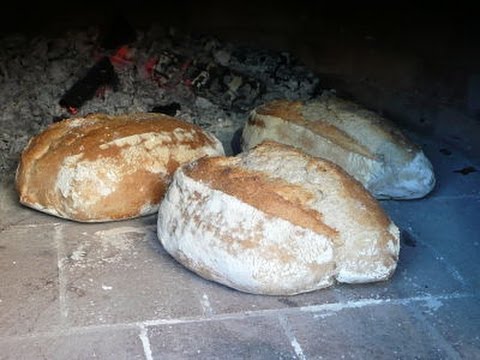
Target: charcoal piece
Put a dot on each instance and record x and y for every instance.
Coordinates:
(59, 118)
(168, 68)
(259, 61)
(317, 91)
(223, 86)
(201, 80)
(119, 33)
(101, 74)
(168, 109)
(248, 94)
(466, 170)
(198, 74)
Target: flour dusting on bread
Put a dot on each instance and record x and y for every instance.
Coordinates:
(274, 220)
(103, 167)
(363, 143)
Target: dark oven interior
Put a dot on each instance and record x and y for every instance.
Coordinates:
(417, 66)
(211, 63)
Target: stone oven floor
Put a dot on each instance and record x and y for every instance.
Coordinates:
(109, 291)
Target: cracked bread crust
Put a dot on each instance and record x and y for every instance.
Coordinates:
(276, 221)
(363, 143)
(102, 168)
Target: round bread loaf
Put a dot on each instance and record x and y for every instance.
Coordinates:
(103, 168)
(363, 143)
(276, 221)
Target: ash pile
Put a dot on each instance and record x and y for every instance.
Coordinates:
(199, 79)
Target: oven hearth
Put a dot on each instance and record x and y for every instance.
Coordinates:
(109, 290)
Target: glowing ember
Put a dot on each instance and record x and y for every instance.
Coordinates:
(122, 57)
(72, 110)
(150, 65)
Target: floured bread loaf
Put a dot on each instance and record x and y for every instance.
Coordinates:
(276, 221)
(101, 168)
(363, 143)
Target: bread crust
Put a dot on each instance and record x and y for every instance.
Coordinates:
(102, 167)
(274, 197)
(276, 221)
(363, 143)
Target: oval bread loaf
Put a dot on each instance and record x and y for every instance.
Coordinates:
(363, 143)
(276, 221)
(102, 168)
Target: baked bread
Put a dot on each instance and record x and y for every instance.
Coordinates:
(363, 143)
(102, 168)
(276, 221)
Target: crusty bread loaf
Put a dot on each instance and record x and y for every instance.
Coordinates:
(276, 221)
(363, 143)
(102, 168)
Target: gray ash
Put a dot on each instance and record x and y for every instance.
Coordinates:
(214, 83)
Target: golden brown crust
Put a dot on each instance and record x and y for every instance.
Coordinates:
(390, 133)
(255, 121)
(92, 133)
(374, 216)
(292, 111)
(362, 142)
(349, 187)
(346, 235)
(280, 198)
(274, 197)
(101, 137)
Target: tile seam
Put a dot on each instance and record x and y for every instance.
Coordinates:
(287, 330)
(330, 307)
(62, 281)
(433, 331)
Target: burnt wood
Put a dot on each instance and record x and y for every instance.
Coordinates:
(101, 74)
